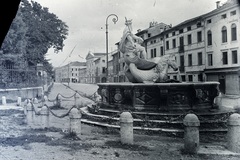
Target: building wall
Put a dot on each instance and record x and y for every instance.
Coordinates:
(217, 47)
(232, 84)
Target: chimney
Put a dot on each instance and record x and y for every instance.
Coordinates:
(218, 4)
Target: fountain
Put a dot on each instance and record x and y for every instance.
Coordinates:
(150, 95)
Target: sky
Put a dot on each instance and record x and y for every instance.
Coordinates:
(87, 20)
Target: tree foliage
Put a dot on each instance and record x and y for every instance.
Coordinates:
(34, 31)
(45, 31)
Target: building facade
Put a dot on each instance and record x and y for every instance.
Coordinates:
(69, 73)
(96, 67)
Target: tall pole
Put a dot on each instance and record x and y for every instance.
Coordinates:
(115, 19)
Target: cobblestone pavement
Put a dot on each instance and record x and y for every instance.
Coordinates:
(20, 141)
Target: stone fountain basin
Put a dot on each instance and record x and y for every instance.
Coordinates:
(159, 97)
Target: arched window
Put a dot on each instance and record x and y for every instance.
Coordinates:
(209, 38)
(224, 34)
(234, 32)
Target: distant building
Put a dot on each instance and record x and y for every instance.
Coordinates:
(96, 66)
(69, 73)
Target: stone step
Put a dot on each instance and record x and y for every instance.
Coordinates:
(170, 116)
(148, 129)
(144, 122)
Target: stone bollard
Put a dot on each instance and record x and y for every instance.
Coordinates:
(77, 101)
(126, 128)
(59, 100)
(75, 121)
(191, 133)
(19, 101)
(45, 99)
(44, 113)
(29, 115)
(4, 102)
(25, 106)
(35, 101)
(233, 134)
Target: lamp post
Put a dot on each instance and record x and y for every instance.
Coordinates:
(115, 19)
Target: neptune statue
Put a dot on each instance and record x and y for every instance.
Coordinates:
(138, 68)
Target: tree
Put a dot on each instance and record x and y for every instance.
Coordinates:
(45, 31)
(33, 31)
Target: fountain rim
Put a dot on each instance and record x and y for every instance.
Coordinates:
(158, 84)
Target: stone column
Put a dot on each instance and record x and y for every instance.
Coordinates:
(233, 134)
(4, 102)
(75, 121)
(126, 128)
(44, 113)
(191, 133)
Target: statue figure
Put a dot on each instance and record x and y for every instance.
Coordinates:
(138, 69)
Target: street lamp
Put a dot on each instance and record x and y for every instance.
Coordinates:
(115, 19)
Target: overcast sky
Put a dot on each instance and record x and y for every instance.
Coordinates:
(87, 18)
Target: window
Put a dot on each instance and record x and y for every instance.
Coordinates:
(224, 57)
(174, 43)
(166, 35)
(190, 60)
(181, 31)
(181, 45)
(175, 77)
(75, 69)
(224, 16)
(173, 33)
(161, 50)
(234, 57)
(233, 13)
(224, 34)
(181, 41)
(153, 53)
(182, 61)
(209, 38)
(183, 77)
(199, 36)
(200, 77)
(149, 35)
(72, 74)
(200, 58)
(199, 24)
(189, 28)
(209, 21)
(167, 45)
(189, 39)
(210, 60)
(103, 70)
(190, 78)
(234, 32)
